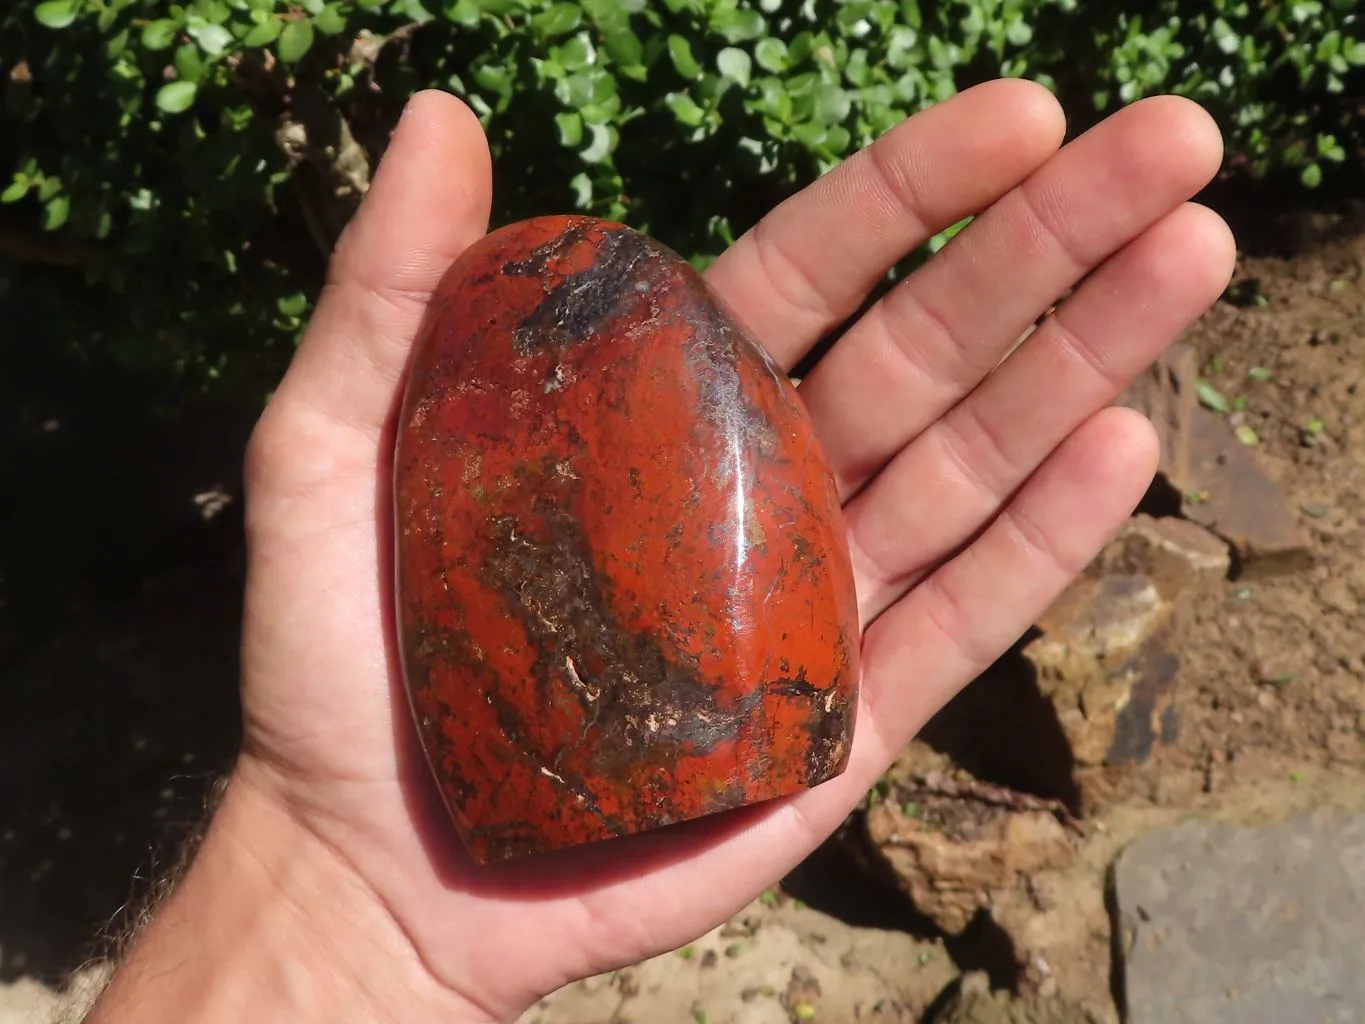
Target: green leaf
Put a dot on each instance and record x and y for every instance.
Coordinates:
(624, 48)
(948, 234)
(576, 53)
(295, 41)
(212, 39)
(559, 20)
(464, 13)
(776, 101)
(1330, 149)
(413, 10)
(494, 78)
(809, 133)
(189, 63)
(680, 52)
(1259, 373)
(176, 97)
(56, 213)
(582, 188)
(1019, 33)
(1301, 12)
(263, 34)
(1311, 176)
(737, 25)
(330, 21)
(292, 305)
(16, 191)
(1211, 396)
(570, 129)
(837, 138)
(771, 54)
(599, 113)
(735, 64)
(941, 55)
(832, 104)
(582, 88)
(603, 142)
(49, 188)
(1246, 435)
(685, 109)
(158, 35)
(56, 13)
(116, 44)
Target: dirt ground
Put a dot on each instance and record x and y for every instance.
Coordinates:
(1276, 672)
(1270, 702)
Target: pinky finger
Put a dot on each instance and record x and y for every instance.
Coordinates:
(971, 609)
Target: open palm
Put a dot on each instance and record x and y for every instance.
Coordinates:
(974, 489)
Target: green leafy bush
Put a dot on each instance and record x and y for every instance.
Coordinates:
(178, 171)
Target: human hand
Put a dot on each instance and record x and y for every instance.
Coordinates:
(973, 494)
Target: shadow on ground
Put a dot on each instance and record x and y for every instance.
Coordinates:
(119, 695)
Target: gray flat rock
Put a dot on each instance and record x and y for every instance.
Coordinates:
(1253, 925)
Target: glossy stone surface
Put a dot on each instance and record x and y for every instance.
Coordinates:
(624, 594)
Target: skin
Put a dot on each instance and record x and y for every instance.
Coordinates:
(329, 885)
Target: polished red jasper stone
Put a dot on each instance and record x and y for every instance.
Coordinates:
(623, 590)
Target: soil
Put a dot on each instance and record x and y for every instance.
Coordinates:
(1276, 672)
(1270, 700)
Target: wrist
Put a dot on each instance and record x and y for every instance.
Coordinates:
(270, 923)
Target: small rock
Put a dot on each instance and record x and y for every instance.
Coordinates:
(951, 869)
(1165, 394)
(1105, 662)
(1106, 657)
(1222, 924)
(1174, 554)
(1037, 977)
(1070, 711)
(802, 994)
(803, 985)
(1336, 594)
(975, 1005)
(1239, 502)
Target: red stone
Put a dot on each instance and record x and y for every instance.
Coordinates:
(624, 595)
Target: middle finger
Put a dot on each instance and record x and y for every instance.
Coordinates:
(927, 343)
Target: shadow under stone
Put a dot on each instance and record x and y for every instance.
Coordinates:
(1002, 729)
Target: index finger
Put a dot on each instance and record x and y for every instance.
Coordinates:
(808, 265)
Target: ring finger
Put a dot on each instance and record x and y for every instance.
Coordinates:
(953, 478)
